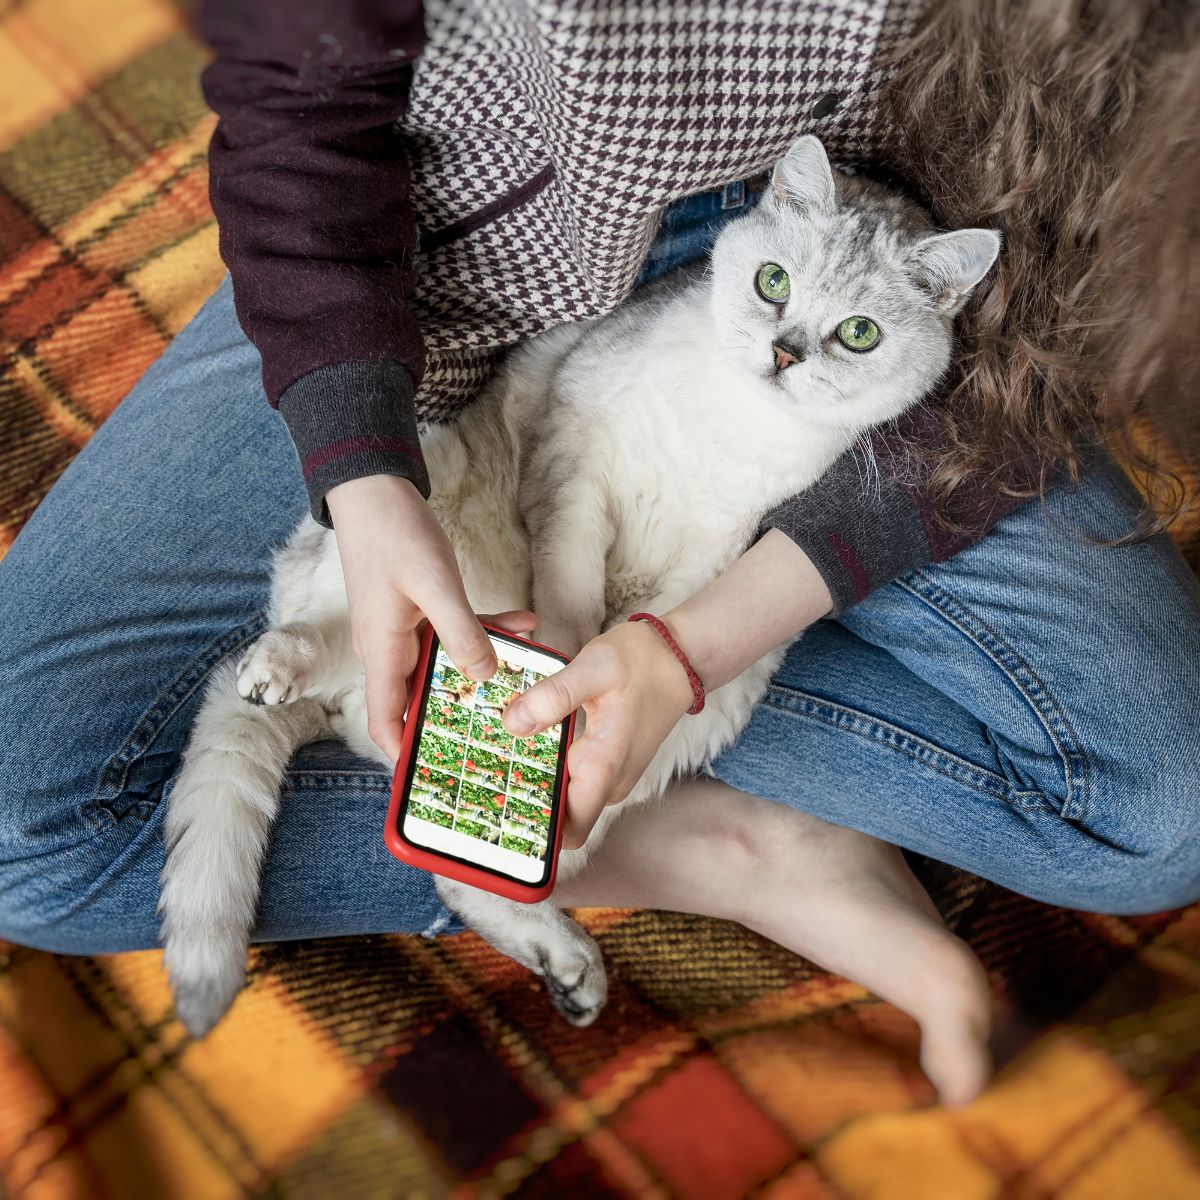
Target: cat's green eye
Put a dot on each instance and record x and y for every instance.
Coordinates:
(858, 333)
(773, 283)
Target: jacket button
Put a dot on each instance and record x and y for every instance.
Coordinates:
(824, 105)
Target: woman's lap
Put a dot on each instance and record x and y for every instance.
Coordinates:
(946, 713)
(147, 563)
(1025, 710)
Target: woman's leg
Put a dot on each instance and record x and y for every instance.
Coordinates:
(1026, 710)
(837, 897)
(147, 564)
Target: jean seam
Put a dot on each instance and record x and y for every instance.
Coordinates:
(936, 758)
(313, 779)
(100, 811)
(331, 780)
(1023, 677)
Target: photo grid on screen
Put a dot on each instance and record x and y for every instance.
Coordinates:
(471, 774)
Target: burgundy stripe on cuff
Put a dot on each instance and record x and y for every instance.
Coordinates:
(852, 564)
(359, 445)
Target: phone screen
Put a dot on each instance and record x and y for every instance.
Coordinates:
(475, 792)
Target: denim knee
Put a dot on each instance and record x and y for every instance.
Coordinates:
(1143, 846)
(71, 881)
(53, 852)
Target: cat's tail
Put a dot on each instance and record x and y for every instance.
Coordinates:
(219, 816)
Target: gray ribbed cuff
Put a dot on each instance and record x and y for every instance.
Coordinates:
(859, 528)
(353, 419)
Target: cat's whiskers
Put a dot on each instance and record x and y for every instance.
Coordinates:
(728, 348)
(841, 401)
(869, 471)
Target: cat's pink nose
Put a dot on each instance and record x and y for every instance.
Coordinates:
(784, 358)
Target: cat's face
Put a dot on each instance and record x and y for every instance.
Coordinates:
(838, 298)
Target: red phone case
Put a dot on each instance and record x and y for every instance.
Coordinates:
(431, 860)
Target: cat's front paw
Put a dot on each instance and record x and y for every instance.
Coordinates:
(278, 667)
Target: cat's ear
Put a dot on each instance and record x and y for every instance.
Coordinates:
(949, 265)
(803, 176)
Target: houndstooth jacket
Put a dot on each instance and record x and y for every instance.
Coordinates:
(547, 138)
(529, 151)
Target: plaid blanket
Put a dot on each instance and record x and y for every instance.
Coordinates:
(394, 1066)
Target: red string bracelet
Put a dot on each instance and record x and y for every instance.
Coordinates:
(693, 678)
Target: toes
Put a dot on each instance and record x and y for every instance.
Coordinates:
(267, 690)
(956, 1022)
(956, 1060)
(960, 987)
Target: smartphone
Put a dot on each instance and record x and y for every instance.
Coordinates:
(470, 801)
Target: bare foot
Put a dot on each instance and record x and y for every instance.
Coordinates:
(850, 903)
(839, 898)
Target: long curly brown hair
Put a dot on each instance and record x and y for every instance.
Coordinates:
(1072, 126)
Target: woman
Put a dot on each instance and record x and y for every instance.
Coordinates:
(1019, 704)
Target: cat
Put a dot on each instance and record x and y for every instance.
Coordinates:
(614, 465)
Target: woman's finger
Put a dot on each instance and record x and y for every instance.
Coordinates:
(388, 661)
(592, 777)
(458, 628)
(552, 699)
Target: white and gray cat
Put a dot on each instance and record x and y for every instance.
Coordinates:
(612, 466)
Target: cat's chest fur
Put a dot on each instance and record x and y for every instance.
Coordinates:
(686, 456)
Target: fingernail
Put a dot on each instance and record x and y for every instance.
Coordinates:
(517, 720)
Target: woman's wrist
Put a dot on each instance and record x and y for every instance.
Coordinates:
(368, 491)
(679, 654)
(671, 684)
(765, 598)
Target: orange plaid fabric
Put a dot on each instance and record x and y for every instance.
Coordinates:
(398, 1067)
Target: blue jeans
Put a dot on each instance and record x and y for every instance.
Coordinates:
(1027, 711)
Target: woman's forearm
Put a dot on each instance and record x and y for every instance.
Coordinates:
(769, 595)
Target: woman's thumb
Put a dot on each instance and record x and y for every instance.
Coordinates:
(463, 637)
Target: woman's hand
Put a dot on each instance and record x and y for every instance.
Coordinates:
(400, 569)
(633, 690)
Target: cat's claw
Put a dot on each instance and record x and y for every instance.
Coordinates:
(274, 670)
(262, 691)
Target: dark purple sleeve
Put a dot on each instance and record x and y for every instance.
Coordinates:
(867, 520)
(310, 185)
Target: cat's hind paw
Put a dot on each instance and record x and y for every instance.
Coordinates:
(577, 985)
